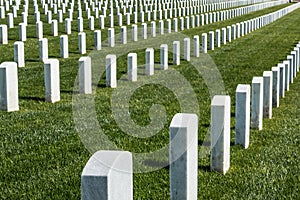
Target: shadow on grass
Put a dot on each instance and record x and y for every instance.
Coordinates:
(155, 163)
(33, 98)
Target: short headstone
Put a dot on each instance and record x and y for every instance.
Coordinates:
(3, 34)
(108, 175)
(85, 75)
(54, 28)
(111, 37)
(132, 66)
(204, 42)
(19, 56)
(176, 53)
(22, 32)
(9, 100)
(184, 156)
(211, 40)
(220, 134)
(187, 49)
(164, 56)
(257, 103)
(275, 88)
(43, 49)
(123, 35)
(64, 46)
(111, 70)
(149, 61)
(82, 42)
(242, 115)
(97, 40)
(52, 81)
(267, 94)
(281, 80)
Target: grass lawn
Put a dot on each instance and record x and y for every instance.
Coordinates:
(42, 156)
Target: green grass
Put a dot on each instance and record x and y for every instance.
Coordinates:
(42, 156)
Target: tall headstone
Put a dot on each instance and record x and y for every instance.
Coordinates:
(220, 134)
(3, 34)
(54, 28)
(176, 53)
(108, 175)
(164, 56)
(287, 75)
(19, 56)
(267, 94)
(187, 49)
(85, 75)
(281, 74)
(111, 37)
(22, 32)
(242, 115)
(257, 103)
(123, 35)
(9, 98)
(43, 49)
(132, 66)
(64, 46)
(196, 46)
(218, 38)
(204, 42)
(82, 42)
(184, 157)
(134, 33)
(149, 61)
(211, 40)
(111, 70)
(275, 88)
(68, 26)
(52, 81)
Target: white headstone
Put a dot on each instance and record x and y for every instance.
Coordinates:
(176, 53)
(108, 175)
(9, 98)
(22, 32)
(218, 38)
(184, 157)
(10, 20)
(196, 46)
(275, 88)
(164, 56)
(132, 66)
(123, 35)
(187, 49)
(281, 80)
(43, 49)
(91, 23)
(68, 26)
(220, 134)
(144, 31)
(257, 103)
(287, 75)
(64, 46)
(111, 71)
(19, 56)
(82, 42)
(204, 42)
(97, 40)
(54, 28)
(267, 94)
(111, 37)
(153, 29)
(52, 81)
(211, 40)
(224, 35)
(134, 33)
(149, 61)
(85, 75)
(242, 115)
(3, 34)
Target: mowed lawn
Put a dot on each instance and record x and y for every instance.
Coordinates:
(42, 156)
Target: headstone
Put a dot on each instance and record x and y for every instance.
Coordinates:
(108, 175)
(54, 28)
(68, 26)
(242, 115)
(144, 31)
(3, 34)
(169, 26)
(224, 35)
(220, 134)
(164, 56)
(22, 32)
(132, 66)
(153, 29)
(149, 61)
(184, 157)
(257, 103)
(52, 81)
(176, 53)
(287, 75)
(123, 35)
(43, 49)
(196, 46)
(218, 38)
(291, 67)
(97, 40)
(111, 37)
(9, 98)
(10, 20)
(281, 68)
(267, 94)
(111, 70)
(91, 23)
(161, 27)
(82, 42)
(187, 49)
(134, 33)
(64, 46)
(19, 56)
(204, 42)
(80, 24)
(175, 24)
(275, 88)
(229, 33)
(85, 75)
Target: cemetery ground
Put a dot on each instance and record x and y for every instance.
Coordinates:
(42, 156)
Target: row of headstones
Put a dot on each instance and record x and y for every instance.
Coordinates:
(114, 169)
(243, 28)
